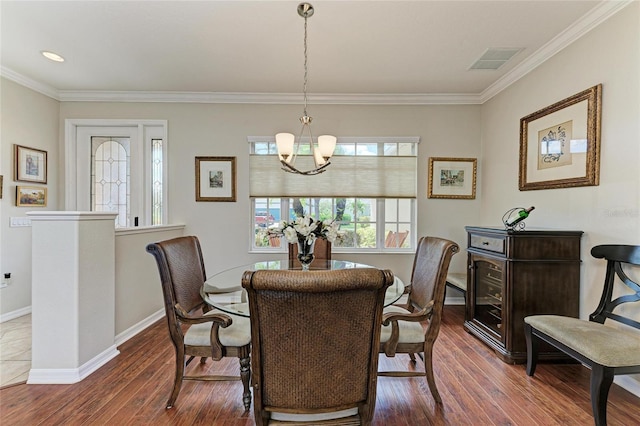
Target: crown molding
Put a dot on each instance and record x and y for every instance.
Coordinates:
(268, 98)
(29, 83)
(591, 20)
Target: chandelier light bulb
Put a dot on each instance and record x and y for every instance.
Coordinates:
(284, 143)
(326, 145)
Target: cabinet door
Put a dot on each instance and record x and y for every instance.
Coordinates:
(487, 296)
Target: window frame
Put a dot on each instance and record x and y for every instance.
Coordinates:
(380, 223)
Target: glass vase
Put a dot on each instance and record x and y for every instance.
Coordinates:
(305, 253)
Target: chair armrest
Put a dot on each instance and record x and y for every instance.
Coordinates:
(418, 316)
(217, 320)
(220, 319)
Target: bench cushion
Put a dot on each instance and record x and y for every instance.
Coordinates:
(608, 346)
(457, 280)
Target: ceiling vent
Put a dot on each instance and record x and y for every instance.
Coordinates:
(494, 57)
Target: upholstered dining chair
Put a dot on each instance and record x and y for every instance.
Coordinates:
(315, 336)
(414, 327)
(210, 333)
(321, 252)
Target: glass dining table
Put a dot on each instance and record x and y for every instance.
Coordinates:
(223, 291)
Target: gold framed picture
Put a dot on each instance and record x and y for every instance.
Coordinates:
(30, 165)
(560, 144)
(31, 196)
(453, 178)
(215, 178)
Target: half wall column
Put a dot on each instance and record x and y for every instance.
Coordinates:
(73, 294)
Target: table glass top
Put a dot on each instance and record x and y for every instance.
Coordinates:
(224, 290)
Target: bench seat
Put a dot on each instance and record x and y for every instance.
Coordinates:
(607, 351)
(604, 345)
(457, 281)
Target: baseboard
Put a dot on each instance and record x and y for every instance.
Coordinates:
(60, 376)
(137, 328)
(15, 314)
(454, 301)
(629, 384)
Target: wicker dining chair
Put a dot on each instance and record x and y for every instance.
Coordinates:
(315, 336)
(211, 334)
(402, 330)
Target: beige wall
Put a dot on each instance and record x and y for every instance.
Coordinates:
(28, 119)
(221, 130)
(138, 295)
(608, 213)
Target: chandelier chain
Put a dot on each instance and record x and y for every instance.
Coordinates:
(304, 87)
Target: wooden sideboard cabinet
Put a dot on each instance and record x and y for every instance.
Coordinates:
(513, 274)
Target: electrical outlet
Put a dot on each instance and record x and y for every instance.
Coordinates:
(6, 280)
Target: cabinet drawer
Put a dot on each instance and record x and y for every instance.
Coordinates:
(484, 242)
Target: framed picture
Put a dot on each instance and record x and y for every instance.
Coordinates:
(31, 196)
(1, 185)
(452, 178)
(215, 178)
(31, 165)
(560, 144)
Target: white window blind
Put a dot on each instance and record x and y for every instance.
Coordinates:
(365, 174)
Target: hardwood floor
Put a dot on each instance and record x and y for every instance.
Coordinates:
(476, 388)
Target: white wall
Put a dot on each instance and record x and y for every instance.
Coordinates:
(608, 213)
(29, 119)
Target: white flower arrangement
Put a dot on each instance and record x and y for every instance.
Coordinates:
(306, 229)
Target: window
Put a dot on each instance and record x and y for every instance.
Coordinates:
(118, 166)
(111, 177)
(370, 189)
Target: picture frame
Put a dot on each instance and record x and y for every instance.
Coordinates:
(31, 196)
(30, 165)
(453, 178)
(1, 185)
(216, 179)
(560, 144)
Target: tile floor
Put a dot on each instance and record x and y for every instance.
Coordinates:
(15, 350)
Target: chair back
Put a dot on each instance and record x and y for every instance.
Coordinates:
(429, 276)
(315, 337)
(321, 251)
(182, 274)
(617, 256)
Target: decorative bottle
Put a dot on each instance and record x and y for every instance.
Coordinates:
(522, 215)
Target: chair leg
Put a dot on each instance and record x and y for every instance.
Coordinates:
(428, 366)
(601, 379)
(532, 349)
(412, 356)
(245, 376)
(177, 382)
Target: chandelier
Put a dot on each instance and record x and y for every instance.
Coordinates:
(288, 147)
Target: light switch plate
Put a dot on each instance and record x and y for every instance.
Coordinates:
(19, 221)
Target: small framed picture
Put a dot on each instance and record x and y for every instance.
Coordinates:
(31, 196)
(1, 185)
(31, 165)
(215, 178)
(452, 178)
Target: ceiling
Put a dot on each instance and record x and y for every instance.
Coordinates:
(359, 51)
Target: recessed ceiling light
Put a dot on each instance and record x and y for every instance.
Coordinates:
(52, 56)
